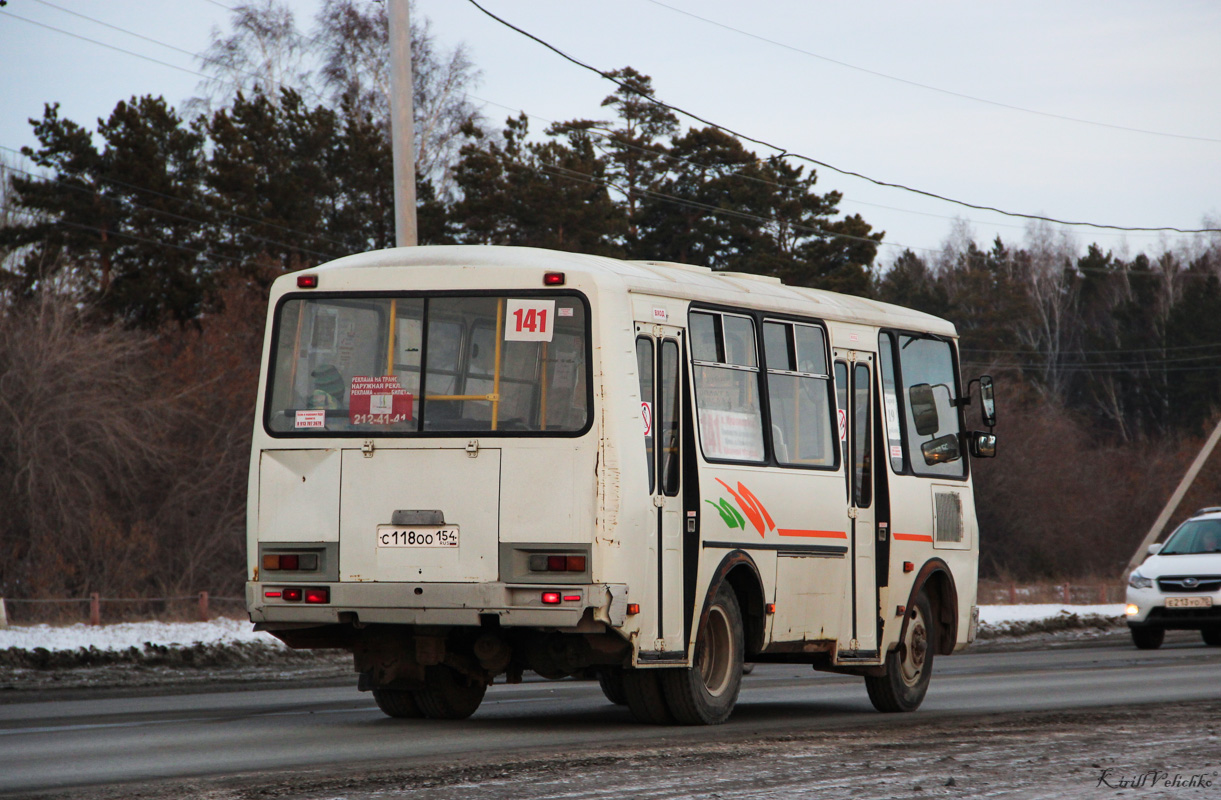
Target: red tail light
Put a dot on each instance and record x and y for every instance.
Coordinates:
(551, 598)
(557, 563)
(289, 562)
(292, 594)
(317, 595)
(307, 281)
(553, 279)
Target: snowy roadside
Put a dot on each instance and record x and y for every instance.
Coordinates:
(193, 656)
(223, 632)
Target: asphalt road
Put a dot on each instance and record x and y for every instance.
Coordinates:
(63, 743)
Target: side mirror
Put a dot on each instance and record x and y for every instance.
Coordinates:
(924, 409)
(1154, 549)
(982, 445)
(987, 401)
(941, 450)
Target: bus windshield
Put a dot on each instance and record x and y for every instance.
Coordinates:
(407, 365)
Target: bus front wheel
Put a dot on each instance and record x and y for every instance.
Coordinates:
(706, 693)
(909, 666)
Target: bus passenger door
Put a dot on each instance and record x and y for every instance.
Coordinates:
(658, 355)
(854, 390)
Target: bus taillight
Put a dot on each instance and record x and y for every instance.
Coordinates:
(556, 563)
(321, 595)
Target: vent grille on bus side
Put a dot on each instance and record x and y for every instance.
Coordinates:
(948, 507)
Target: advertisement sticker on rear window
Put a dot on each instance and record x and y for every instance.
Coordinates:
(378, 401)
(310, 418)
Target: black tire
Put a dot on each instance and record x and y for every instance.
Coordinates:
(1212, 636)
(706, 693)
(448, 694)
(645, 699)
(397, 703)
(611, 681)
(1148, 638)
(909, 667)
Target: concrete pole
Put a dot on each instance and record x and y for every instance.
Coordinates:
(402, 128)
(1176, 498)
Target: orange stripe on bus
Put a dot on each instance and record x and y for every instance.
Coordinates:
(914, 537)
(813, 534)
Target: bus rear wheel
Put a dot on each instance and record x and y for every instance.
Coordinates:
(611, 681)
(398, 703)
(645, 698)
(448, 694)
(706, 693)
(909, 667)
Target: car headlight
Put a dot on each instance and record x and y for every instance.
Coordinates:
(1138, 581)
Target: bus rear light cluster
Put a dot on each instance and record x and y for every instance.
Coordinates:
(540, 562)
(290, 562)
(554, 598)
(315, 595)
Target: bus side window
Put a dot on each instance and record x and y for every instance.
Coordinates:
(726, 373)
(799, 394)
(930, 361)
(667, 417)
(644, 366)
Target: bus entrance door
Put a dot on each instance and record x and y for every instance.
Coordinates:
(854, 390)
(658, 357)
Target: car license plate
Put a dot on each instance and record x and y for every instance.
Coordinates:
(1189, 602)
(417, 536)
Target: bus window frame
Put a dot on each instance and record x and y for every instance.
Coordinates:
(305, 436)
(909, 457)
(761, 369)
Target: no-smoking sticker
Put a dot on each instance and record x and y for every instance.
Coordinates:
(843, 425)
(646, 414)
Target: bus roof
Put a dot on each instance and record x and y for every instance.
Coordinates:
(661, 278)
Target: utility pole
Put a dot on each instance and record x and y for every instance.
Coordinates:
(402, 126)
(1174, 501)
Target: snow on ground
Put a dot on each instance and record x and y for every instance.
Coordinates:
(1003, 615)
(121, 636)
(228, 631)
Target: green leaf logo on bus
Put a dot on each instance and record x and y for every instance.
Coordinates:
(754, 510)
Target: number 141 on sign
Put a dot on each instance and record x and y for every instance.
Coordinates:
(529, 320)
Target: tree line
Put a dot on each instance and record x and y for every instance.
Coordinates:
(134, 259)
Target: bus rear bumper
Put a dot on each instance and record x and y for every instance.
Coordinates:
(547, 606)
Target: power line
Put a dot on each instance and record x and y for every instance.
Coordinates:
(930, 88)
(1116, 351)
(107, 46)
(304, 90)
(785, 153)
(728, 212)
(189, 202)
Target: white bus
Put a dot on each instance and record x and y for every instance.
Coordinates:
(473, 461)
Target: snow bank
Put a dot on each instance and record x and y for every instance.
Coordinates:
(231, 631)
(121, 636)
(1005, 615)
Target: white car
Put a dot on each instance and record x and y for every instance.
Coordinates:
(1178, 587)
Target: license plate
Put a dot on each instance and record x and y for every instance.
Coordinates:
(417, 536)
(1189, 602)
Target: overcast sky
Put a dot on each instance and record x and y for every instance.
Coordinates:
(1106, 111)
